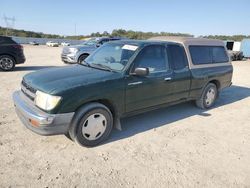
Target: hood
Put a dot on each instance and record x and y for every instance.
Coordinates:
(82, 48)
(56, 80)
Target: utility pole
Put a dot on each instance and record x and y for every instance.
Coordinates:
(75, 29)
(9, 22)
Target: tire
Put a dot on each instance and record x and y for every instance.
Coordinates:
(7, 63)
(240, 57)
(208, 96)
(82, 57)
(92, 124)
(68, 136)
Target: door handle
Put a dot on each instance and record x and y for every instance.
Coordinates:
(167, 79)
(134, 83)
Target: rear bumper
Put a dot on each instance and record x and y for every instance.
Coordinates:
(20, 60)
(19, 57)
(39, 121)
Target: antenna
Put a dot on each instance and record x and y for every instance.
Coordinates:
(9, 22)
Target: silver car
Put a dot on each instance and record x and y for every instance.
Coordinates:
(77, 53)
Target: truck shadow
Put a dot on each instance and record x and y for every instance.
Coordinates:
(162, 117)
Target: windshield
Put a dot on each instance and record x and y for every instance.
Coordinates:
(111, 56)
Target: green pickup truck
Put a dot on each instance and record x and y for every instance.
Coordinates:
(120, 79)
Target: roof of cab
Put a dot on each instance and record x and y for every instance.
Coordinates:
(137, 42)
(188, 40)
(133, 42)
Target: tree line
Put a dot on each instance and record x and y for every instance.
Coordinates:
(116, 32)
(22, 33)
(226, 37)
(129, 34)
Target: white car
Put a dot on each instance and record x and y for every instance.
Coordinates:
(65, 44)
(53, 44)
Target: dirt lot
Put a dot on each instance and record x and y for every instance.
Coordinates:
(180, 146)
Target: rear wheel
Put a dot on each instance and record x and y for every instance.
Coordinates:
(208, 96)
(7, 63)
(82, 57)
(91, 125)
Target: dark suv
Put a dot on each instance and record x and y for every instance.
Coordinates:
(11, 53)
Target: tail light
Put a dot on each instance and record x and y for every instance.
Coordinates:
(18, 46)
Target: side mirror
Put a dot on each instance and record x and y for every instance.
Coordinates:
(140, 72)
(98, 45)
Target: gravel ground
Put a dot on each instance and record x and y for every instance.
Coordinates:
(179, 146)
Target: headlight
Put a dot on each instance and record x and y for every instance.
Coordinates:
(73, 50)
(46, 101)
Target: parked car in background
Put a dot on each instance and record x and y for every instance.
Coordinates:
(119, 79)
(52, 44)
(77, 53)
(11, 53)
(65, 44)
(34, 43)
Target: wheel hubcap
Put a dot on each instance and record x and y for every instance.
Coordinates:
(6, 63)
(210, 97)
(94, 126)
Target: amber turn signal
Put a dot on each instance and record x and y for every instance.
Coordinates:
(34, 123)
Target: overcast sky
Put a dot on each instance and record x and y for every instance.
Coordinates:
(223, 17)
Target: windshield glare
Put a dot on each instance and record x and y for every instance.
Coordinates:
(114, 56)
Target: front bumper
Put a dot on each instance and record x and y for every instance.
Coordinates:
(39, 121)
(69, 58)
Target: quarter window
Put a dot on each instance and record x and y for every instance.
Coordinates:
(153, 57)
(208, 54)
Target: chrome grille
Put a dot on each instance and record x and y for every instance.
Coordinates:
(28, 90)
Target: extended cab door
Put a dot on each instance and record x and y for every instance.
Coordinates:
(181, 77)
(154, 89)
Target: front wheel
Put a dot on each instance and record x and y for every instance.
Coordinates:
(7, 63)
(91, 125)
(81, 58)
(208, 96)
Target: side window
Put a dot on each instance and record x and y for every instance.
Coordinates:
(114, 39)
(103, 41)
(200, 54)
(219, 55)
(153, 57)
(177, 57)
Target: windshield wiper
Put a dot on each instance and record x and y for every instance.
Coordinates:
(104, 67)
